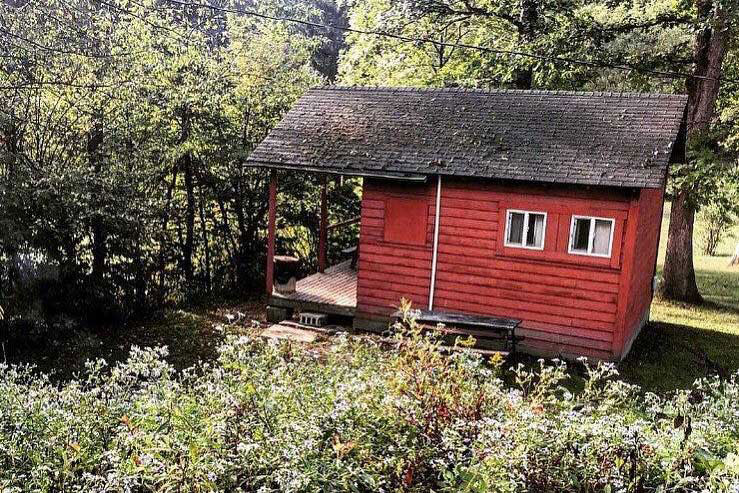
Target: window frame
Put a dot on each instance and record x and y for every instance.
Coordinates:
(591, 236)
(525, 230)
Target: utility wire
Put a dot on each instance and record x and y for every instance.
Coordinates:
(404, 39)
(466, 46)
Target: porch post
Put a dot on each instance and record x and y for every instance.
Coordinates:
(271, 231)
(323, 228)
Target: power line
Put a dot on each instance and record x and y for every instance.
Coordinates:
(385, 34)
(58, 51)
(466, 46)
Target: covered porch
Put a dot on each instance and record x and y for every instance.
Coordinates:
(332, 290)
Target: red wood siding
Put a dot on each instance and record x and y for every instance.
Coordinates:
(570, 304)
(390, 270)
(638, 297)
(401, 220)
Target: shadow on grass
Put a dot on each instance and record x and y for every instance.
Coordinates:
(190, 337)
(668, 356)
(698, 341)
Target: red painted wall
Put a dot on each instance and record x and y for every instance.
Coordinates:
(640, 276)
(400, 267)
(570, 304)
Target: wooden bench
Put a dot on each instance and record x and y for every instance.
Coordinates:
(474, 325)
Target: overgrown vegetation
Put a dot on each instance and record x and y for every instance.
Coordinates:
(123, 131)
(124, 126)
(351, 415)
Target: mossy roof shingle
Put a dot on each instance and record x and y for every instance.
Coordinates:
(612, 139)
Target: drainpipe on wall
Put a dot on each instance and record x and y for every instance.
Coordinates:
(436, 243)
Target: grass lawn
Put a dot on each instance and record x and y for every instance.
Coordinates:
(684, 342)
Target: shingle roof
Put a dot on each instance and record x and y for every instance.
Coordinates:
(614, 139)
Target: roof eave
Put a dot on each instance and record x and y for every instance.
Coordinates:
(388, 175)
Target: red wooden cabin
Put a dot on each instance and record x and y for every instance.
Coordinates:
(543, 206)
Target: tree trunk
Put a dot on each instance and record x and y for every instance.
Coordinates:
(185, 163)
(206, 242)
(99, 233)
(141, 278)
(735, 258)
(708, 55)
(528, 19)
(230, 245)
(164, 237)
(242, 267)
(679, 274)
(188, 246)
(12, 136)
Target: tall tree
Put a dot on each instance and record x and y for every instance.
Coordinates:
(124, 129)
(715, 21)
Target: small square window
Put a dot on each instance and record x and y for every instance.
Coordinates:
(591, 236)
(525, 229)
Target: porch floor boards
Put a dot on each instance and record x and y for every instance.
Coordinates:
(334, 292)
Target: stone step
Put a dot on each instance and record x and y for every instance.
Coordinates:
(297, 332)
(289, 332)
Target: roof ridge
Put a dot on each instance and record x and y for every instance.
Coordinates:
(531, 92)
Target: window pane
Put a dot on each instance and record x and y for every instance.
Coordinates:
(535, 234)
(515, 228)
(582, 235)
(601, 237)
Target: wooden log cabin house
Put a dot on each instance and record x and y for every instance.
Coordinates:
(541, 206)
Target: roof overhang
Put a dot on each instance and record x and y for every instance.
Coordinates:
(624, 140)
(389, 175)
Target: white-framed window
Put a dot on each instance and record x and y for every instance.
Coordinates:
(525, 229)
(591, 236)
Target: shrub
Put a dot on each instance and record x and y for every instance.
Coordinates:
(719, 215)
(360, 415)
(717, 220)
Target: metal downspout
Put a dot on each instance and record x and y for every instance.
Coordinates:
(436, 244)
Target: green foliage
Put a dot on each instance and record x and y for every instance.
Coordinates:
(124, 129)
(712, 177)
(650, 35)
(354, 416)
(718, 218)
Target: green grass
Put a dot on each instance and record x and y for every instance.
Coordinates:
(684, 342)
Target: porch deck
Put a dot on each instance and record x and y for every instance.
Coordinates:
(332, 292)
